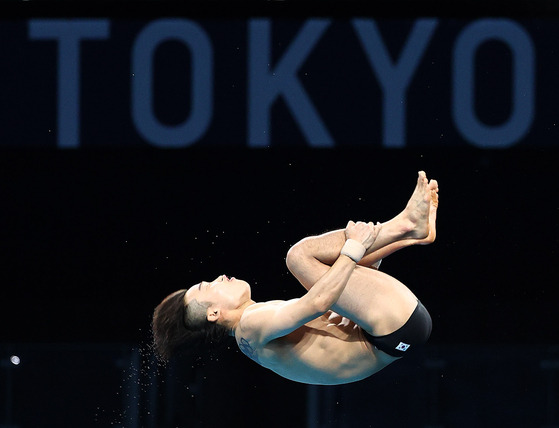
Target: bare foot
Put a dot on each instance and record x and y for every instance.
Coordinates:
(432, 216)
(414, 225)
(419, 216)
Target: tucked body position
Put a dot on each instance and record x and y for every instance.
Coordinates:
(353, 321)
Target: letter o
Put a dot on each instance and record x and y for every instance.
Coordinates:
(522, 112)
(143, 115)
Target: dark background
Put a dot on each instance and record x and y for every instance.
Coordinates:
(93, 239)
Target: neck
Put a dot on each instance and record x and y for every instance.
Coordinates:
(236, 314)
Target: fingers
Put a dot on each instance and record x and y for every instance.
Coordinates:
(360, 225)
(365, 233)
(363, 227)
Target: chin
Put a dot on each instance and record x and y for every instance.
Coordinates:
(237, 281)
(246, 286)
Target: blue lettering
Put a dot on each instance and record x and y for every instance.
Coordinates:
(266, 84)
(394, 78)
(149, 127)
(463, 85)
(69, 34)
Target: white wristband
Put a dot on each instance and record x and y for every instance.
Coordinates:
(353, 249)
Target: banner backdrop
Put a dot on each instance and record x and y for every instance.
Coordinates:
(178, 82)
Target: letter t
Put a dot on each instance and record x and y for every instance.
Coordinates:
(68, 33)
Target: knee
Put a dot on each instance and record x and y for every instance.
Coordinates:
(293, 256)
(296, 255)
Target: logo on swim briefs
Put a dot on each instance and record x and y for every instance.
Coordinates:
(402, 346)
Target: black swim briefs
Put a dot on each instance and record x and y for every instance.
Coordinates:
(414, 332)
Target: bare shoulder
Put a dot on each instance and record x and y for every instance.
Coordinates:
(264, 322)
(254, 317)
(248, 334)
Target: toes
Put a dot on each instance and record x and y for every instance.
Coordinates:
(434, 185)
(434, 198)
(422, 178)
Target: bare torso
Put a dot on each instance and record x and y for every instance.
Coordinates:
(329, 350)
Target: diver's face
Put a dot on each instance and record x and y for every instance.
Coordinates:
(225, 292)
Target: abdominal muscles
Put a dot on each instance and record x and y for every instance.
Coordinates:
(327, 355)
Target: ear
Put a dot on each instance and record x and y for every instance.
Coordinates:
(213, 314)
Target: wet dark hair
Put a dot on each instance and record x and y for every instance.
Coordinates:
(177, 327)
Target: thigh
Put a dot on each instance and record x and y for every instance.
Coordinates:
(377, 302)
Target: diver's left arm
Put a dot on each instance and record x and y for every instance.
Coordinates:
(270, 321)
